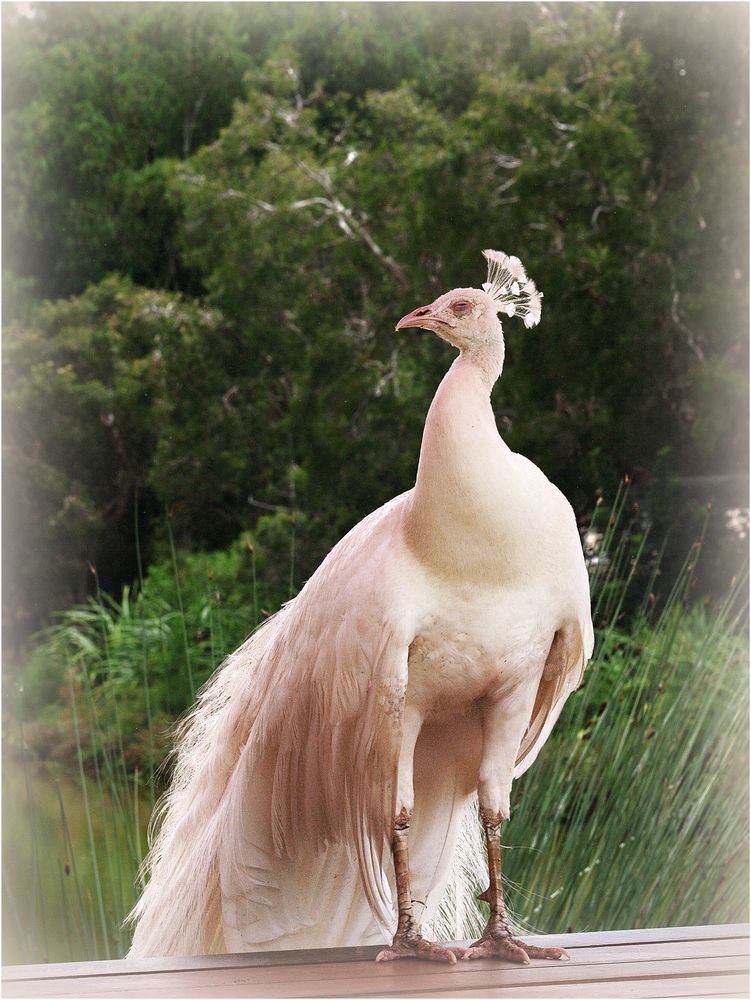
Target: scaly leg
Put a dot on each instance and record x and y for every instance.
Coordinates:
(497, 941)
(503, 725)
(408, 941)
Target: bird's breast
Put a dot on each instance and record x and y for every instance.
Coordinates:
(459, 658)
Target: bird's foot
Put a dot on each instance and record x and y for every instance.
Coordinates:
(497, 942)
(410, 943)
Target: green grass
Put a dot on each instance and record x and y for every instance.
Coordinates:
(635, 813)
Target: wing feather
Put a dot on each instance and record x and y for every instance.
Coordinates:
(564, 669)
(326, 721)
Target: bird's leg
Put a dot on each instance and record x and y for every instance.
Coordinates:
(503, 725)
(497, 940)
(408, 941)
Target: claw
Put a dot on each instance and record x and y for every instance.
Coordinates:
(419, 948)
(492, 946)
(551, 954)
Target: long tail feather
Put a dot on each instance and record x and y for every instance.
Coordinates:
(180, 911)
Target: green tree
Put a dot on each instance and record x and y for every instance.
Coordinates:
(94, 95)
(99, 393)
(375, 151)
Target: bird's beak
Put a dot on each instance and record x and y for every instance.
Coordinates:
(416, 318)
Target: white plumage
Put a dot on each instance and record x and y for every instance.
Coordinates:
(425, 660)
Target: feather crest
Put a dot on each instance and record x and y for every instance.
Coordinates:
(514, 293)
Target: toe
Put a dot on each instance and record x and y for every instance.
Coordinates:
(419, 949)
(436, 953)
(490, 948)
(514, 952)
(480, 949)
(511, 950)
(554, 954)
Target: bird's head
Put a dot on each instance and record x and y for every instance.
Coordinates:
(468, 317)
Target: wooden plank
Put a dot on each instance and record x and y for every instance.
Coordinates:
(652, 962)
(641, 989)
(392, 979)
(644, 934)
(323, 956)
(176, 963)
(607, 955)
(588, 982)
(714, 986)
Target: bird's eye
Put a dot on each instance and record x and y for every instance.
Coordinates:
(461, 308)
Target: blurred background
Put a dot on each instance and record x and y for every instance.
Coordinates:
(214, 214)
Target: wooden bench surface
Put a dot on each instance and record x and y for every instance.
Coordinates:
(656, 962)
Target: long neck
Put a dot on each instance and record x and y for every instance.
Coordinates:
(454, 508)
(485, 361)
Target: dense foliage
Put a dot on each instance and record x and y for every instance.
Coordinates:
(238, 201)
